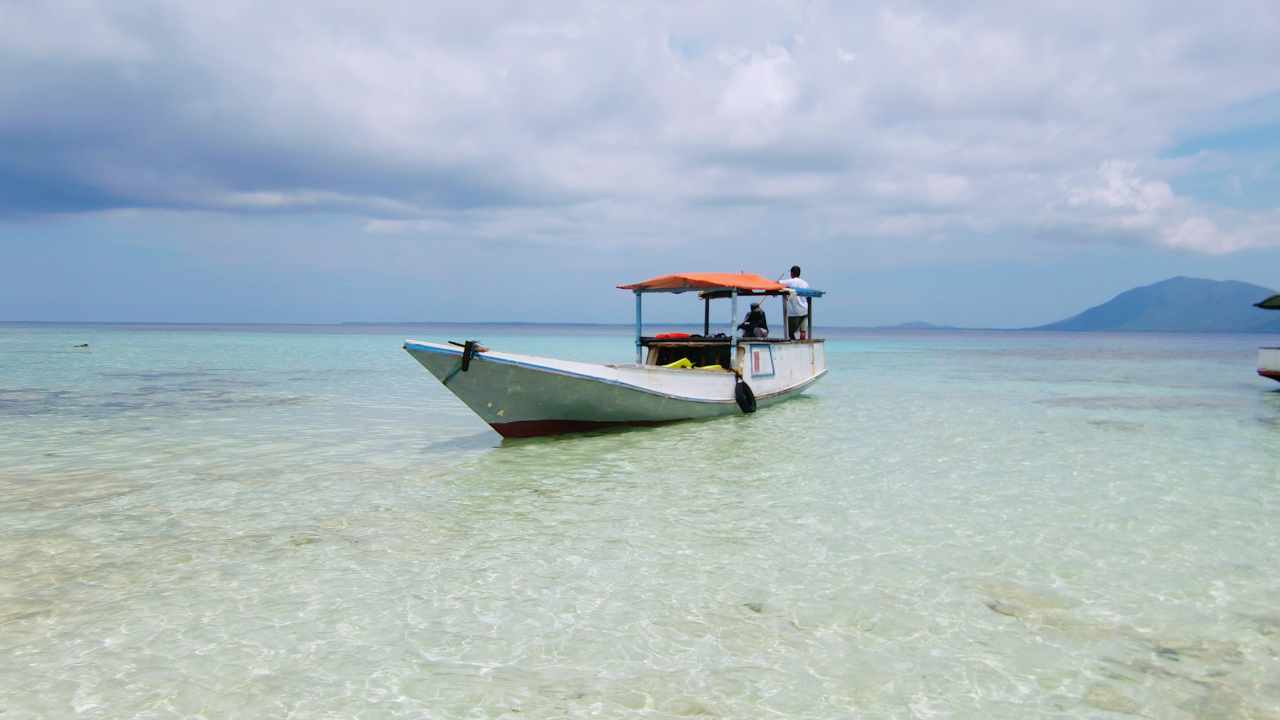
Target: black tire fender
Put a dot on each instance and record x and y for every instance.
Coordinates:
(743, 395)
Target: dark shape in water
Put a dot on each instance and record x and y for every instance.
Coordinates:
(1168, 653)
(1002, 608)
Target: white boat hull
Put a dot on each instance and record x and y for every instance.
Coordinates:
(1269, 363)
(526, 395)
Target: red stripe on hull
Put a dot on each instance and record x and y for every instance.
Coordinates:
(1273, 374)
(535, 428)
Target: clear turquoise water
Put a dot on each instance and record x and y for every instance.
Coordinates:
(248, 522)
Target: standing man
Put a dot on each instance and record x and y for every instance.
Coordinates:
(797, 307)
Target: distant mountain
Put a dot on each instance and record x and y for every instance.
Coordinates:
(1179, 304)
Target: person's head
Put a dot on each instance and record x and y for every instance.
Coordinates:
(795, 271)
(755, 306)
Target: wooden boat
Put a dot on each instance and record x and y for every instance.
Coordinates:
(673, 378)
(1269, 357)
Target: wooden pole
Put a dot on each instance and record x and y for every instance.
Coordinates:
(786, 323)
(639, 345)
(733, 334)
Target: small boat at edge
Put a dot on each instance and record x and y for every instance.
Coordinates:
(676, 376)
(1269, 357)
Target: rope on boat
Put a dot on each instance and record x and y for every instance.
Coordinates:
(469, 350)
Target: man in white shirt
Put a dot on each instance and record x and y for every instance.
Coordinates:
(797, 307)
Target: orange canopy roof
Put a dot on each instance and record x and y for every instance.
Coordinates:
(679, 282)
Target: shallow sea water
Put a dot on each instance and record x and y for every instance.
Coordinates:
(301, 522)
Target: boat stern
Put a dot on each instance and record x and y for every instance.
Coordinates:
(1269, 363)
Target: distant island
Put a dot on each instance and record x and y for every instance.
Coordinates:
(1180, 304)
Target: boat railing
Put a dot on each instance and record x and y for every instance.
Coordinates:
(711, 286)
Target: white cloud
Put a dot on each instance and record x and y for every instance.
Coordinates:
(1199, 234)
(945, 189)
(572, 122)
(1121, 188)
(758, 96)
(1119, 200)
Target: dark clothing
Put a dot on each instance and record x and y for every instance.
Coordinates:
(755, 319)
(793, 326)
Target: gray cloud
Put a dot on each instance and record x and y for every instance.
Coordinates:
(572, 122)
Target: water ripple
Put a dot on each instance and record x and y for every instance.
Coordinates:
(940, 530)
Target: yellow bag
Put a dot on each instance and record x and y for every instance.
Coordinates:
(681, 364)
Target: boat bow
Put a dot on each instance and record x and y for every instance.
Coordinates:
(524, 395)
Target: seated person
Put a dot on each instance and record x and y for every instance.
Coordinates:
(755, 325)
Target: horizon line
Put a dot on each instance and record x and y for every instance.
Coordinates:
(904, 327)
(910, 325)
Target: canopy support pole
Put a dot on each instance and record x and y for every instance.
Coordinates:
(809, 320)
(786, 323)
(733, 315)
(639, 346)
(706, 316)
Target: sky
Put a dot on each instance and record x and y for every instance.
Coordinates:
(986, 164)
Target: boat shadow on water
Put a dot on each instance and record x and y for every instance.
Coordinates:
(490, 439)
(727, 430)
(479, 440)
(1270, 410)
